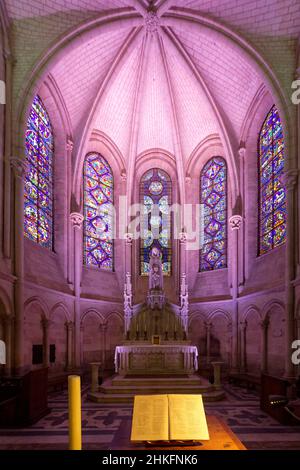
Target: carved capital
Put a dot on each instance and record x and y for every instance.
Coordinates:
(182, 237)
(188, 179)
(290, 179)
(76, 219)
(128, 238)
(19, 167)
(103, 327)
(243, 325)
(45, 323)
(265, 324)
(69, 326)
(242, 151)
(123, 175)
(208, 326)
(235, 222)
(69, 145)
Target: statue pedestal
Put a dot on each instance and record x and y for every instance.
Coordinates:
(217, 374)
(95, 374)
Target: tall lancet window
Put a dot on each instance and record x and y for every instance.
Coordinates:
(272, 196)
(98, 212)
(213, 197)
(38, 197)
(156, 198)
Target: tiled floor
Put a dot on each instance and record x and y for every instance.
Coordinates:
(102, 425)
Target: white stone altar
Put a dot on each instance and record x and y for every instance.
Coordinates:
(148, 359)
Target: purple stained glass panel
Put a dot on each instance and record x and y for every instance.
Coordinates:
(156, 197)
(213, 189)
(272, 194)
(38, 206)
(98, 212)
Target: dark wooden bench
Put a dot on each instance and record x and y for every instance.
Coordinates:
(249, 381)
(57, 382)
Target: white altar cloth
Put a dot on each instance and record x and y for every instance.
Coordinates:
(149, 358)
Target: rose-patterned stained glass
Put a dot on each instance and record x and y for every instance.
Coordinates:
(213, 189)
(156, 197)
(98, 212)
(272, 195)
(38, 197)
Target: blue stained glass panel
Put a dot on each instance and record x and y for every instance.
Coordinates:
(38, 204)
(272, 194)
(98, 212)
(213, 189)
(156, 197)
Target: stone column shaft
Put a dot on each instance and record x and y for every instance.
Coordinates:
(45, 326)
(290, 179)
(8, 344)
(19, 168)
(264, 346)
(235, 223)
(77, 220)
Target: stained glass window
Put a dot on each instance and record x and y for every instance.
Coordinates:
(213, 197)
(272, 196)
(38, 203)
(98, 212)
(156, 198)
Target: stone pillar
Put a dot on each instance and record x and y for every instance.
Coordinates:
(8, 320)
(217, 374)
(290, 179)
(7, 207)
(45, 326)
(243, 326)
(264, 345)
(242, 235)
(70, 329)
(235, 223)
(103, 330)
(77, 220)
(68, 264)
(208, 331)
(81, 343)
(19, 167)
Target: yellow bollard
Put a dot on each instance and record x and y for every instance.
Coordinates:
(74, 412)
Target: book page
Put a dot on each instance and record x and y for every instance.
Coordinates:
(150, 420)
(187, 418)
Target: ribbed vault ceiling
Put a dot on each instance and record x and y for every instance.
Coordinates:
(170, 81)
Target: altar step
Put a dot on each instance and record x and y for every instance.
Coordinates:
(123, 390)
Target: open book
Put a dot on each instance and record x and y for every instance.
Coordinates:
(168, 418)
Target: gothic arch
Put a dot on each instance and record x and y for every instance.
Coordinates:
(266, 311)
(249, 310)
(92, 311)
(6, 302)
(62, 306)
(219, 313)
(40, 303)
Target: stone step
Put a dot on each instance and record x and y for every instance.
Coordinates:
(104, 398)
(155, 389)
(134, 381)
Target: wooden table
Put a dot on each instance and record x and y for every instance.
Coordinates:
(221, 438)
